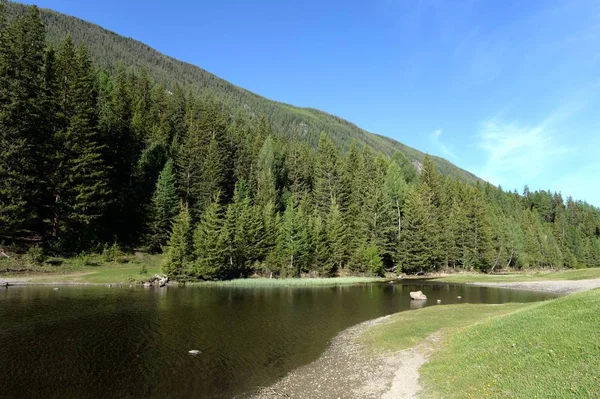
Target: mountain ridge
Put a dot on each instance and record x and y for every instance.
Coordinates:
(109, 49)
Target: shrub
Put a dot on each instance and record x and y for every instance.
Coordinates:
(113, 253)
(35, 256)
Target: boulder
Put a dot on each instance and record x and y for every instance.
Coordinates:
(417, 296)
(158, 280)
(439, 301)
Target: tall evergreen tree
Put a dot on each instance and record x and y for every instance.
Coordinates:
(164, 208)
(178, 258)
(336, 237)
(211, 242)
(23, 133)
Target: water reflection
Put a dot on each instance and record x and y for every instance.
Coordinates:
(113, 342)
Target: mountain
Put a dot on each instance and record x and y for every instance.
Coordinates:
(108, 50)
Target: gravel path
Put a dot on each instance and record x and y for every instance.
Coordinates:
(558, 286)
(345, 371)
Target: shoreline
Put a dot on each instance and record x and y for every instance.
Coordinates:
(345, 370)
(563, 287)
(44, 280)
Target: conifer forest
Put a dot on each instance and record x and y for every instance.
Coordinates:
(91, 156)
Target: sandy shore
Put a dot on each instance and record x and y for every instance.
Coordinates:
(346, 370)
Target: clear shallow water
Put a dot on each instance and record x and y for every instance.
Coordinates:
(92, 342)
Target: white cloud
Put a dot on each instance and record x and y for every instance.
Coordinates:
(518, 154)
(440, 146)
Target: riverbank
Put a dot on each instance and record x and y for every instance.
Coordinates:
(382, 358)
(526, 276)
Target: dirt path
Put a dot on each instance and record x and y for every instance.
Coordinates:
(558, 286)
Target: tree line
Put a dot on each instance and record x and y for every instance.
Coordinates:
(90, 157)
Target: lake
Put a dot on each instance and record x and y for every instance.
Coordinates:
(92, 342)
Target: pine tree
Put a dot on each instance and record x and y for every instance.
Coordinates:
(326, 181)
(23, 135)
(320, 252)
(336, 237)
(396, 187)
(211, 244)
(164, 208)
(417, 254)
(85, 189)
(266, 189)
(178, 256)
(292, 240)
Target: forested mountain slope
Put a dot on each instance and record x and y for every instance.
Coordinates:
(91, 157)
(108, 49)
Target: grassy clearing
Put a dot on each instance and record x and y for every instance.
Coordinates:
(289, 282)
(579, 274)
(546, 350)
(88, 269)
(406, 329)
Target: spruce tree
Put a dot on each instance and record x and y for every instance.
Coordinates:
(211, 243)
(336, 237)
(320, 251)
(23, 134)
(327, 180)
(87, 194)
(266, 189)
(292, 240)
(164, 208)
(178, 256)
(417, 254)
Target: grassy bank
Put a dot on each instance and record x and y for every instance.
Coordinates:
(579, 274)
(289, 282)
(94, 269)
(88, 269)
(546, 350)
(406, 329)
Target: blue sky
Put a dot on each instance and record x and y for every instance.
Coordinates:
(509, 90)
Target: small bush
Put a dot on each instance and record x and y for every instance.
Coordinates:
(113, 253)
(35, 256)
(144, 269)
(82, 259)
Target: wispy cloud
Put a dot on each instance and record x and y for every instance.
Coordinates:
(518, 153)
(440, 146)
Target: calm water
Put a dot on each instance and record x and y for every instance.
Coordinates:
(88, 342)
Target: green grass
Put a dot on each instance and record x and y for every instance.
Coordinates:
(86, 270)
(92, 269)
(290, 282)
(406, 329)
(579, 274)
(545, 350)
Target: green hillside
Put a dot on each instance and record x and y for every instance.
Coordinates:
(108, 50)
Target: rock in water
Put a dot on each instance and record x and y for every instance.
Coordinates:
(194, 352)
(55, 289)
(417, 296)
(459, 297)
